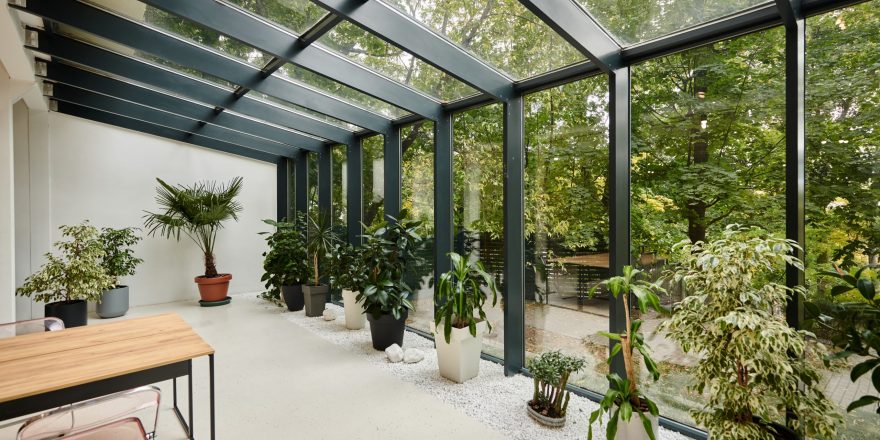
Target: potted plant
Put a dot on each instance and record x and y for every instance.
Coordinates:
(348, 274)
(551, 371)
(732, 318)
(68, 280)
(623, 400)
(319, 242)
(198, 211)
(459, 300)
(286, 264)
(118, 261)
(386, 254)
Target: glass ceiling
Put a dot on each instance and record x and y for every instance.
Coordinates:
(502, 33)
(307, 111)
(296, 15)
(636, 21)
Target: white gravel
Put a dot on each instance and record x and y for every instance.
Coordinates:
(495, 400)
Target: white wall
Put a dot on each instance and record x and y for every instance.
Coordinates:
(7, 216)
(107, 175)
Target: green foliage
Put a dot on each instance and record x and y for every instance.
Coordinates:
(732, 318)
(119, 259)
(461, 293)
(854, 326)
(623, 395)
(75, 273)
(348, 269)
(198, 211)
(551, 371)
(386, 254)
(286, 263)
(319, 241)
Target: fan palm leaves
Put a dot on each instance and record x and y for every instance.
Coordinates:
(197, 211)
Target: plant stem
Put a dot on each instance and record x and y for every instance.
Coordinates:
(210, 269)
(626, 342)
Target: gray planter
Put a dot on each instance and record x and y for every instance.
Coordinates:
(315, 297)
(114, 303)
(551, 422)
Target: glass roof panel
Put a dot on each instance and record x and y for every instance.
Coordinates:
(290, 106)
(501, 32)
(632, 22)
(296, 15)
(341, 91)
(393, 62)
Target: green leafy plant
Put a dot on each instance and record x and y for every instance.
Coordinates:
(320, 241)
(551, 371)
(749, 358)
(461, 293)
(347, 269)
(854, 326)
(623, 397)
(386, 254)
(119, 259)
(75, 273)
(198, 211)
(286, 263)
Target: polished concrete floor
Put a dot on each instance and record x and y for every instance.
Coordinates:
(275, 380)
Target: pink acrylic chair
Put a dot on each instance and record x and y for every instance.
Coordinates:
(65, 422)
(38, 325)
(125, 429)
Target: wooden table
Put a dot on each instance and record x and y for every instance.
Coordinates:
(41, 371)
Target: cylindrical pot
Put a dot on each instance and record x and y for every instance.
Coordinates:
(552, 422)
(634, 429)
(459, 359)
(113, 302)
(293, 297)
(73, 313)
(355, 318)
(214, 289)
(387, 331)
(779, 432)
(315, 297)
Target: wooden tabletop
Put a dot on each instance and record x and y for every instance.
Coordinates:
(599, 260)
(42, 362)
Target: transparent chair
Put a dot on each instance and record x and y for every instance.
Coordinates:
(65, 422)
(38, 325)
(125, 429)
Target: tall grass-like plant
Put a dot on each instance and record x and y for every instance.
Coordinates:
(750, 365)
(197, 211)
(320, 241)
(460, 295)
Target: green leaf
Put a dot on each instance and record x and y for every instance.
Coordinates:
(626, 410)
(860, 369)
(863, 401)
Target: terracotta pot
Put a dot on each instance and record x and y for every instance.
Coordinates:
(214, 289)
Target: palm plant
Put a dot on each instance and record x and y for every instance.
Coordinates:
(198, 211)
(320, 241)
(460, 296)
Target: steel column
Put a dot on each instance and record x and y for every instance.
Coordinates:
(301, 177)
(619, 191)
(325, 180)
(443, 196)
(514, 232)
(392, 164)
(354, 192)
(282, 184)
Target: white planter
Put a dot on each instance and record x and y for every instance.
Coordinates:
(355, 318)
(634, 429)
(459, 360)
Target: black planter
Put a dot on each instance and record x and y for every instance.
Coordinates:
(387, 331)
(315, 297)
(293, 297)
(73, 313)
(782, 432)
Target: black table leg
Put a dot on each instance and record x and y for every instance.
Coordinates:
(211, 373)
(192, 431)
(187, 427)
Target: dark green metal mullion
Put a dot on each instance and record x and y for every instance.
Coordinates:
(619, 191)
(354, 201)
(282, 184)
(392, 166)
(325, 180)
(301, 176)
(443, 201)
(514, 233)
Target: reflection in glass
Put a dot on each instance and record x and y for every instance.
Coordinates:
(417, 196)
(708, 150)
(566, 224)
(296, 15)
(374, 180)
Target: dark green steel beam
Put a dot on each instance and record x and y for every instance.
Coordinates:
(164, 132)
(514, 234)
(354, 201)
(443, 196)
(282, 185)
(301, 177)
(619, 181)
(325, 180)
(392, 166)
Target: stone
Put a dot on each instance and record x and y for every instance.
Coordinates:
(329, 315)
(412, 356)
(394, 353)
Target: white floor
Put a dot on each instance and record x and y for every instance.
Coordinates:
(276, 380)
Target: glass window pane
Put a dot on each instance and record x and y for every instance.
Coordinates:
(708, 150)
(373, 52)
(296, 15)
(566, 224)
(304, 110)
(633, 22)
(501, 32)
(340, 189)
(373, 180)
(843, 180)
(417, 196)
(478, 190)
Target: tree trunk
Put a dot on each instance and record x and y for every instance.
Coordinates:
(210, 269)
(696, 209)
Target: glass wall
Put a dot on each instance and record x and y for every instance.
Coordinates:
(339, 189)
(708, 150)
(374, 180)
(843, 179)
(478, 185)
(417, 196)
(566, 223)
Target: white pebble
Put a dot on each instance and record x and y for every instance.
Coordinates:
(394, 353)
(412, 356)
(329, 315)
